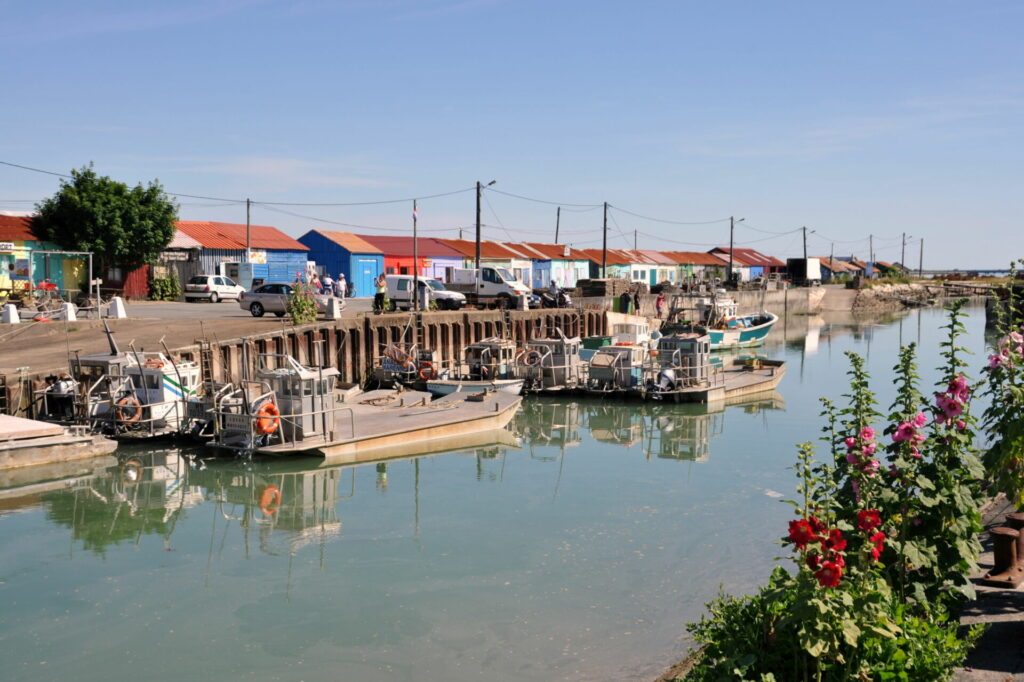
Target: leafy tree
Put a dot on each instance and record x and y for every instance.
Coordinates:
(123, 226)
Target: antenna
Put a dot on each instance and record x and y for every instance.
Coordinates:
(110, 339)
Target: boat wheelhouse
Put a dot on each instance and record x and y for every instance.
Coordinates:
(681, 364)
(552, 365)
(489, 363)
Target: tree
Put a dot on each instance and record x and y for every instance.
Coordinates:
(123, 226)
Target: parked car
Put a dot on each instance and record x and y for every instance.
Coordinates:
(400, 293)
(212, 288)
(273, 298)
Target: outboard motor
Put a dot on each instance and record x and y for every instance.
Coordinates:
(666, 379)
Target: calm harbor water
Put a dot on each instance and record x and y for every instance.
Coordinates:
(578, 554)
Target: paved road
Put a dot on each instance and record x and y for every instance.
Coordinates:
(178, 310)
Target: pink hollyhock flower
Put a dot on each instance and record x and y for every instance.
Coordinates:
(920, 420)
(959, 388)
(871, 467)
(915, 453)
(1016, 337)
(870, 448)
(995, 360)
(961, 424)
(851, 442)
(852, 458)
(867, 433)
(950, 406)
(904, 432)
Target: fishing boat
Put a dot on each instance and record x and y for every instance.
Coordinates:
(124, 394)
(681, 363)
(618, 368)
(290, 409)
(729, 330)
(551, 365)
(489, 364)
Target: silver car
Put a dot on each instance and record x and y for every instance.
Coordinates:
(273, 298)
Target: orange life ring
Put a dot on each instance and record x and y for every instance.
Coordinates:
(654, 352)
(126, 403)
(427, 370)
(270, 499)
(268, 418)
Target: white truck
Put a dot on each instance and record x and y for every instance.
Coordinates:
(494, 286)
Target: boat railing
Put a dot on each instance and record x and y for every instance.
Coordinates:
(689, 374)
(239, 429)
(161, 411)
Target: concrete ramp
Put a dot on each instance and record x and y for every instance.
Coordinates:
(16, 428)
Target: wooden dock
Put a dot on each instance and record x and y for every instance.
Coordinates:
(25, 442)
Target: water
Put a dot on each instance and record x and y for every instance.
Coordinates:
(580, 554)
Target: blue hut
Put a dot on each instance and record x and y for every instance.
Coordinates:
(344, 252)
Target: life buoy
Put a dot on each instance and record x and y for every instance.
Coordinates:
(427, 372)
(154, 363)
(654, 352)
(532, 358)
(126, 404)
(268, 418)
(270, 499)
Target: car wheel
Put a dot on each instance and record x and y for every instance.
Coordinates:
(504, 302)
(392, 306)
(256, 309)
(279, 314)
(214, 298)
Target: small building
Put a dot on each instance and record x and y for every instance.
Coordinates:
(662, 268)
(622, 264)
(436, 259)
(559, 262)
(697, 266)
(274, 255)
(861, 268)
(22, 262)
(750, 263)
(344, 252)
(832, 269)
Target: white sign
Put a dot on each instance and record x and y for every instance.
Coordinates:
(6, 247)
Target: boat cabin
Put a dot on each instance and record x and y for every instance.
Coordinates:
(636, 333)
(616, 368)
(552, 364)
(304, 396)
(490, 359)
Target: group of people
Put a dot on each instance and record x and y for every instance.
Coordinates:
(331, 287)
(629, 302)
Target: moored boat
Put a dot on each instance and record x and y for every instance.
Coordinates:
(489, 364)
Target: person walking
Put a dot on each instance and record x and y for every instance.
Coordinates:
(328, 285)
(659, 304)
(636, 301)
(340, 286)
(381, 285)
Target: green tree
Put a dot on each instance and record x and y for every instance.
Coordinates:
(123, 226)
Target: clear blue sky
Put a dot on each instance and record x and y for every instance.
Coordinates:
(870, 117)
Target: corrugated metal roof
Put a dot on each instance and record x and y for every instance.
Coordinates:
(493, 250)
(657, 257)
(213, 235)
(427, 247)
(749, 257)
(615, 257)
(558, 251)
(348, 241)
(16, 228)
(835, 265)
(180, 240)
(695, 258)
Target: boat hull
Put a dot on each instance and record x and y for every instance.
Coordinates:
(741, 337)
(442, 387)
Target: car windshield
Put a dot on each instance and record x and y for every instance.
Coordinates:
(505, 274)
(435, 285)
(199, 279)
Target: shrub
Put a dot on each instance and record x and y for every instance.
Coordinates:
(301, 306)
(165, 288)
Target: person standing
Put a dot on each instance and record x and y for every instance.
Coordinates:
(659, 304)
(328, 285)
(340, 286)
(636, 301)
(624, 302)
(381, 284)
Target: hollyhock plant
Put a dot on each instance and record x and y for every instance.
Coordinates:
(801, 533)
(868, 520)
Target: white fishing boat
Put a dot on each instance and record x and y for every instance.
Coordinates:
(727, 329)
(552, 365)
(489, 364)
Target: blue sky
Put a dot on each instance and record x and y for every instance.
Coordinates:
(850, 119)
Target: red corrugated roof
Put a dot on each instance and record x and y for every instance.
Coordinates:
(749, 257)
(557, 251)
(836, 265)
(349, 241)
(493, 250)
(16, 229)
(232, 236)
(657, 257)
(616, 257)
(695, 258)
(427, 247)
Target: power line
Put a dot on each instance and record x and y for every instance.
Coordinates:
(757, 229)
(543, 201)
(669, 222)
(495, 214)
(367, 203)
(353, 225)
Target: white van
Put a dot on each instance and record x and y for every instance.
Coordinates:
(400, 293)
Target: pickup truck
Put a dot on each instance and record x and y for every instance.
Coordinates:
(494, 287)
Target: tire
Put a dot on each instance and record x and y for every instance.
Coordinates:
(214, 298)
(279, 314)
(256, 309)
(392, 306)
(504, 302)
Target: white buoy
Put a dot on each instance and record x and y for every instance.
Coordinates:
(70, 312)
(10, 315)
(333, 308)
(116, 310)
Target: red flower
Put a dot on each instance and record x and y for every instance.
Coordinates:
(878, 540)
(829, 574)
(814, 561)
(835, 541)
(802, 533)
(816, 524)
(868, 520)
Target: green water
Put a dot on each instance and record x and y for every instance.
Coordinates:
(579, 555)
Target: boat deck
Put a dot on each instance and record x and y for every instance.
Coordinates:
(385, 423)
(736, 381)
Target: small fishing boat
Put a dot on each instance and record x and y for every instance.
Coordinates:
(489, 364)
(681, 363)
(551, 365)
(618, 368)
(290, 409)
(124, 394)
(727, 329)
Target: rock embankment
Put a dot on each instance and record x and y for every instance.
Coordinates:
(893, 296)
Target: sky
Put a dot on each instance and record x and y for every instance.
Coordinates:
(852, 119)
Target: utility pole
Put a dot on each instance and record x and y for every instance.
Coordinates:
(920, 261)
(804, 228)
(604, 243)
(558, 219)
(903, 253)
(248, 248)
(634, 239)
(832, 256)
(732, 227)
(871, 249)
(479, 195)
(415, 262)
